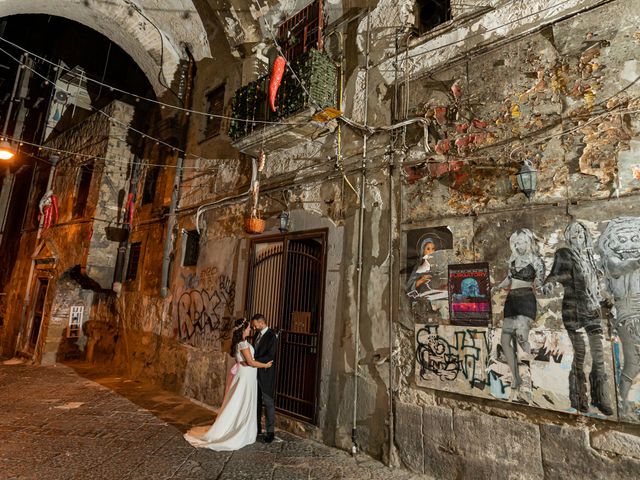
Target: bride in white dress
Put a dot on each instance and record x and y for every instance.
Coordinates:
(236, 425)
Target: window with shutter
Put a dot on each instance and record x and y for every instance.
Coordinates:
(191, 249)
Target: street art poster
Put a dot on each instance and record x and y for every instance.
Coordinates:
(619, 247)
(471, 361)
(469, 294)
(453, 359)
(427, 259)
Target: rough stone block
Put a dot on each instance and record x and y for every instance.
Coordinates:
(494, 447)
(618, 443)
(566, 453)
(408, 433)
(440, 459)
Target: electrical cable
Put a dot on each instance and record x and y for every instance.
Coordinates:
(150, 100)
(161, 76)
(483, 32)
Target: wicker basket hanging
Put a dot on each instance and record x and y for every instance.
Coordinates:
(254, 224)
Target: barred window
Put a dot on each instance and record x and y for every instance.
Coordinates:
(75, 321)
(302, 31)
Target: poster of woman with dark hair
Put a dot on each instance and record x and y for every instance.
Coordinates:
(428, 261)
(574, 267)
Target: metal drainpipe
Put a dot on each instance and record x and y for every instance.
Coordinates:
(27, 298)
(394, 223)
(363, 183)
(122, 247)
(171, 222)
(177, 180)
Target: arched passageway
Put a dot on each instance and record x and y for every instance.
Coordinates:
(149, 33)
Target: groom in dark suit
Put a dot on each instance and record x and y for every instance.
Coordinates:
(265, 344)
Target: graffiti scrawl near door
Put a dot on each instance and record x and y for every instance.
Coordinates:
(205, 316)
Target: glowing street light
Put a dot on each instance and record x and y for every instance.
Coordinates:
(7, 152)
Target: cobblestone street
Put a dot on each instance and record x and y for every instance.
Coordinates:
(64, 423)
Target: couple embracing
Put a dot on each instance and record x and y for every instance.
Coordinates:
(249, 385)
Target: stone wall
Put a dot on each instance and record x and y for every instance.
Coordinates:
(486, 91)
(75, 255)
(565, 98)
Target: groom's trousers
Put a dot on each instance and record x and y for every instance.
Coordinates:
(267, 401)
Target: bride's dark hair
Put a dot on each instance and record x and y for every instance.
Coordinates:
(238, 329)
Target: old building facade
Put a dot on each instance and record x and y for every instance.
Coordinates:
(429, 312)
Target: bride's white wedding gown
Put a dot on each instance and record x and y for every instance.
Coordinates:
(236, 425)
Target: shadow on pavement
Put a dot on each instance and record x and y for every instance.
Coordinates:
(169, 407)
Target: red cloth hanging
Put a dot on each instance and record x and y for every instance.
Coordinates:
(276, 78)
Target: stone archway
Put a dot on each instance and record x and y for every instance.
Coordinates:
(149, 33)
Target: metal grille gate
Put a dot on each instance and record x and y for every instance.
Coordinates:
(286, 285)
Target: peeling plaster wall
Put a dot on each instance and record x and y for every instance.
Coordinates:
(561, 97)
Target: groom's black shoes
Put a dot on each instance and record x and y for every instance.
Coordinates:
(268, 438)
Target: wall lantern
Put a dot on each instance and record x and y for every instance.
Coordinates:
(284, 222)
(527, 179)
(7, 152)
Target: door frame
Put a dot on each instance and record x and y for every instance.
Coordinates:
(323, 233)
(42, 278)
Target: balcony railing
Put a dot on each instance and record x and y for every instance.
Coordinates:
(315, 71)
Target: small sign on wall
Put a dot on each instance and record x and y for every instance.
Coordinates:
(300, 322)
(75, 321)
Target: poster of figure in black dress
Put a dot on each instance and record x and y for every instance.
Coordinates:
(575, 268)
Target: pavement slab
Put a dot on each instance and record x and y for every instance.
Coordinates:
(74, 422)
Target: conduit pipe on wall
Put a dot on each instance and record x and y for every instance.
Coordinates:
(363, 184)
(218, 203)
(177, 181)
(392, 170)
(122, 246)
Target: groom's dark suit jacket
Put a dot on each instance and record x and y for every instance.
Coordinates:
(265, 351)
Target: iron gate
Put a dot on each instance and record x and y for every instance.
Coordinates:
(286, 285)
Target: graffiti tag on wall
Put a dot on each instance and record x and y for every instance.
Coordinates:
(460, 355)
(205, 315)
